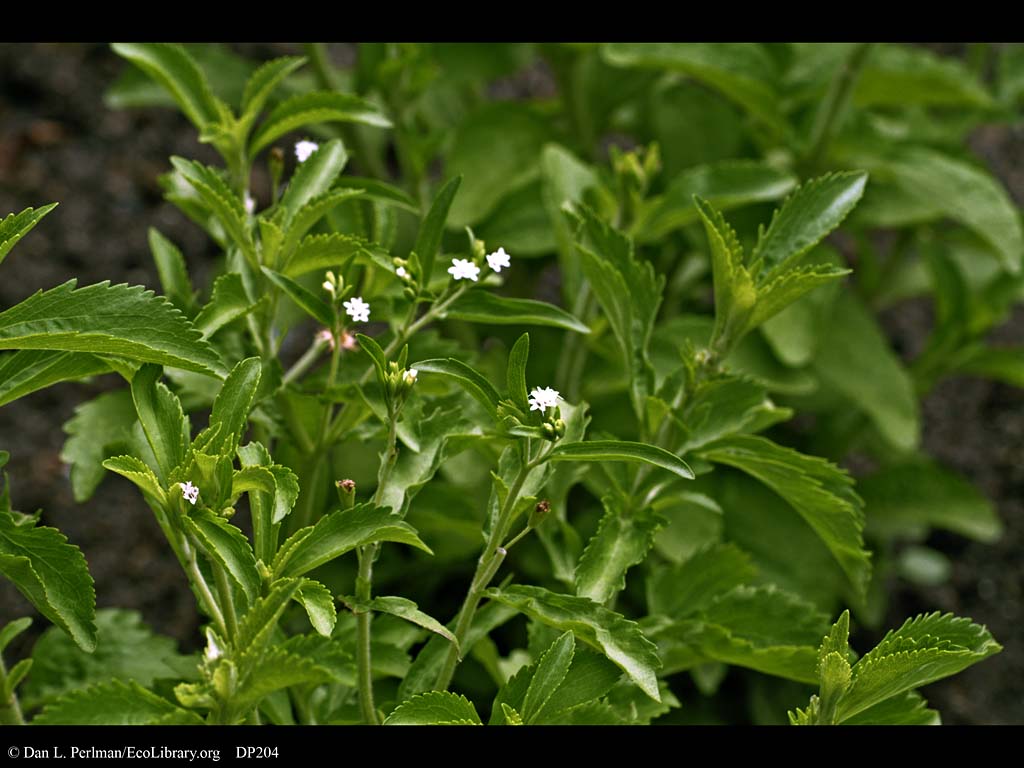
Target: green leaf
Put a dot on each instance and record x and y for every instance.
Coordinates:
(27, 371)
(616, 637)
(170, 265)
(256, 629)
(480, 306)
(515, 376)
(314, 209)
(622, 540)
(15, 226)
(435, 708)
(855, 359)
(126, 650)
(473, 381)
(112, 703)
(262, 83)
(227, 547)
(900, 76)
(139, 473)
(311, 108)
(564, 178)
(821, 492)
(925, 649)
(309, 302)
(682, 589)
(726, 185)
(740, 71)
(319, 252)
(551, 671)
(718, 407)
(219, 200)
(428, 239)
(621, 450)
(408, 610)
(341, 532)
(12, 629)
(52, 575)
(908, 709)
(810, 213)
(313, 178)
(911, 498)
(228, 303)
(162, 419)
(172, 67)
(111, 320)
(496, 149)
(380, 361)
(100, 428)
(319, 605)
(277, 669)
(1004, 364)
(231, 409)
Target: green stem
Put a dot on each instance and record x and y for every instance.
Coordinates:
(10, 710)
(205, 595)
(829, 117)
(304, 363)
(487, 566)
(227, 601)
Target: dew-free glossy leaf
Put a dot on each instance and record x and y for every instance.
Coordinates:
(162, 419)
(316, 107)
(622, 540)
(622, 450)
(607, 631)
(482, 306)
(28, 370)
(231, 409)
(100, 428)
(408, 610)
(550, 672)
(683, 589)
(515, 375)
(472, 380)
(900, 76)
(219, 199)
(228, 303)
(112, 703)
(435, 708)
(315, 253)
(227, 547)
(309, 302)
(15, 226)
(428, 239)
(262, 83)
(319, 605)
(313, 177)
(172, 67)
(112, 320)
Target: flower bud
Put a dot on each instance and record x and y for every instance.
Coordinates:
(539, 513)
(346, 493)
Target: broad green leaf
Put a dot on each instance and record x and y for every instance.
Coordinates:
(925, 649)
(381, 192)
(319, 605)
(515, 375)
(693, 125)
(170, 265)
(908, 709)
(15, 226)
(435, 708)
(111, 703)
(228, 303)
(313, 178)
(821, 492)
(469, 378)
(315, 253)
(172, 67)
(314, 209)
(52, 574)
(496, 149)
(257, 627)
(900, 76)
(311, 108)
(231, 409)
(694, 522)
(112, 320)
(782, 291)
(162, 419)
(855, 359)
(126, 649)
(621, 450)
(26, 371)
(616, 637)
(428, 239)
(227, 547)
(683, 589)
(139, 473)
(1004, 364)
(718, 407)
(550, 672)
(408, 610)
(742, 72)
(810, 213)
(341, 532)
(911, 498)
(218, 198)
(481, 306)
(264, 81)
(309, 302)
(726, 185)
(12, 629)
(277, 669)
(100, 428)
(622, 540)
(520, 223)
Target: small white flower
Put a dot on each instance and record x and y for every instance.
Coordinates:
(304, 149)
(464, 268)
(498, 259)
(328, 286)
(213, 649)
(410, 376)
(542, 399)
(357, 309)
(401, 272)
(189, 492)
(250, 204)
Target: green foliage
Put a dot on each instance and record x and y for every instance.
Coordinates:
(13, 227)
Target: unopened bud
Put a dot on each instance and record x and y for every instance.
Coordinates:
(227, 513)
(346, 493)
(265, 573)
(539, 513)
(560, 427)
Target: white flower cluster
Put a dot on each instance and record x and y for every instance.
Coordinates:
(189, 492)
(542, 399)
(304, 149)
(464, 269)
(498, 259)
(357, 309)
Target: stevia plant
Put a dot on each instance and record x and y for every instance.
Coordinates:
(361, 522)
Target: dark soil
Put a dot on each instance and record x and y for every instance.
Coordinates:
(58, 142)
